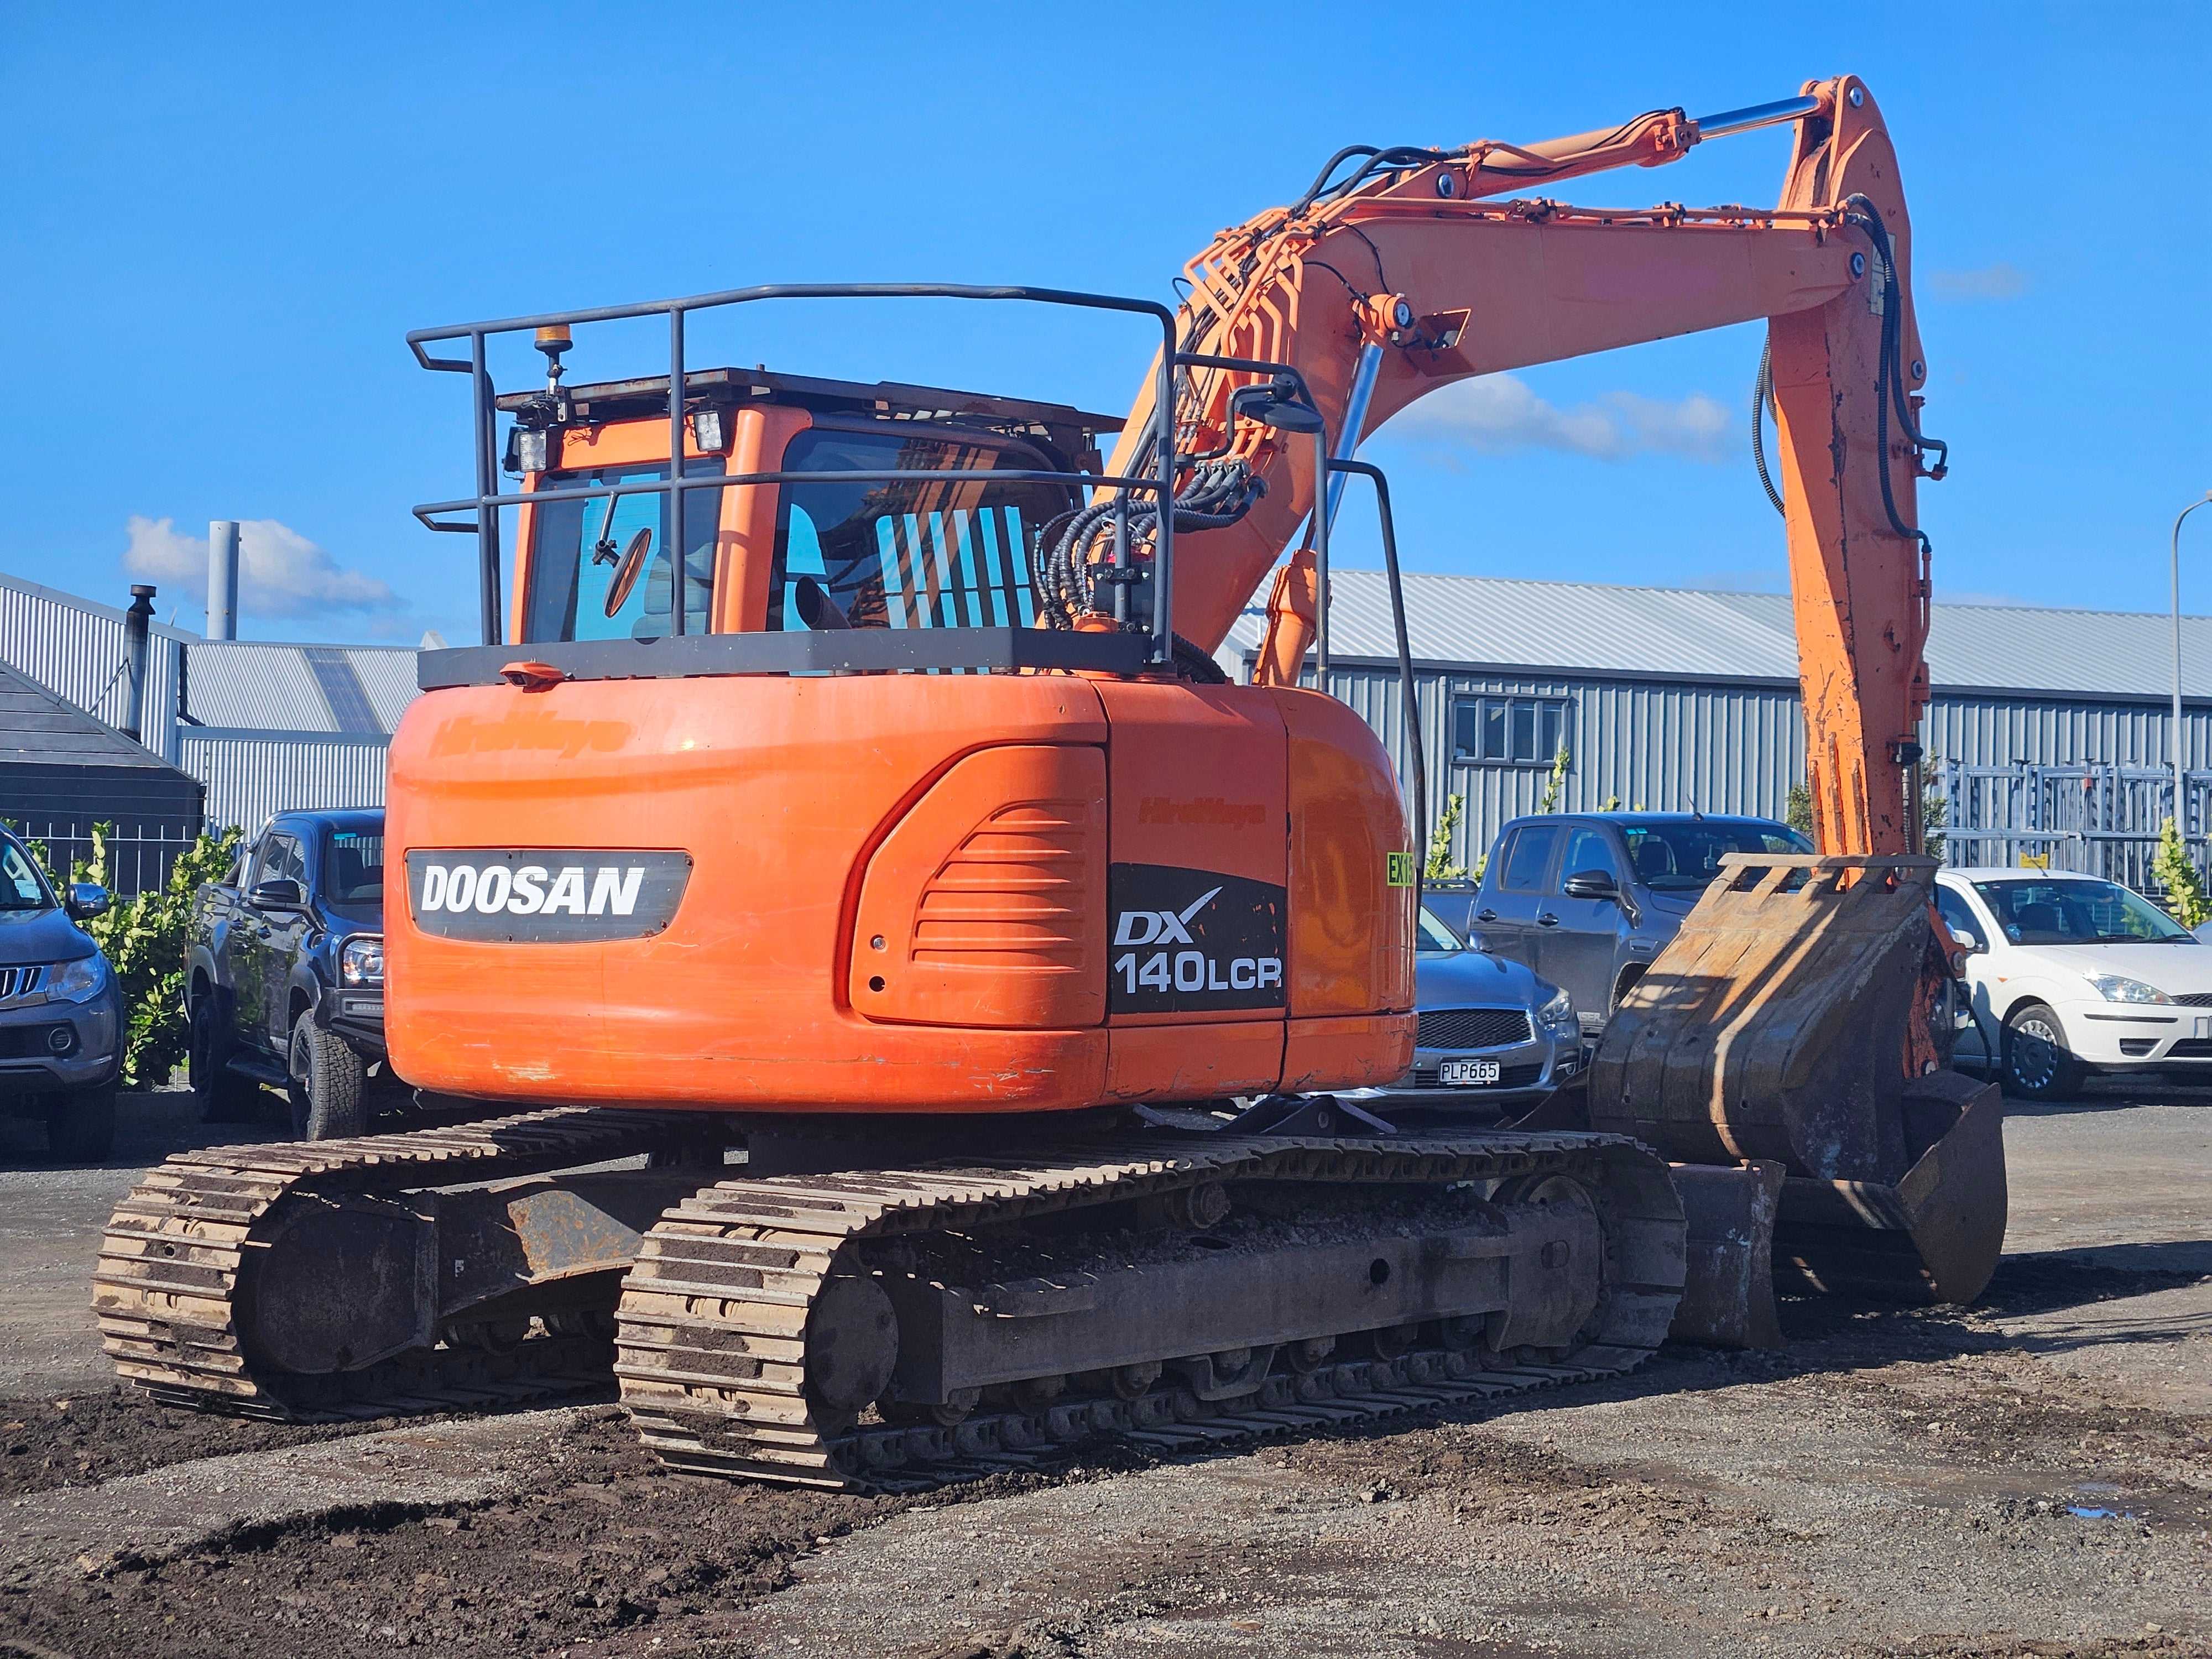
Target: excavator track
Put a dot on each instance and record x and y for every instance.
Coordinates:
(715, 1317)
(179, 1252)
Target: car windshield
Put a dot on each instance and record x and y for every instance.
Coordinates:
(21, 888)
(1436, 937)
(353, 870)
(1683, 855)
(2078, 911)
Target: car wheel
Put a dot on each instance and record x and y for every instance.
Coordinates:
(81, 1124)
(2038, 1065)
(222, 1096)
(328, 1100)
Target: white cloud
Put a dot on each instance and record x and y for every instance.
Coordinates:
(1498, 412)
(1996, 281)
(280, 572)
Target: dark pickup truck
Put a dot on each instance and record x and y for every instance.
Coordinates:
(285, 983)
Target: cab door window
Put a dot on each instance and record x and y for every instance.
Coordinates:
(1588, 848)
(1959, 916)
(582, 587)
(280, 860)
(1528, 857)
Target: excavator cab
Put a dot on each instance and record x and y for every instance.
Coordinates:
(848, 549)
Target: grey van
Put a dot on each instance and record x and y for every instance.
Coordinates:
(1588, 899)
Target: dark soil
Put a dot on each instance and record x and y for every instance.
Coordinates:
(611, 1549)
(104, 1433)
(605, 1552)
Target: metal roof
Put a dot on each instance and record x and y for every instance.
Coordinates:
(358, 690)
(1688, 633)
(74, 647)
(39, 729)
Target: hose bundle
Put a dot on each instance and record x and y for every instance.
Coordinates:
(1074, 553)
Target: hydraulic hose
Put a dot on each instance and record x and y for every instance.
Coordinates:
(1762, 394)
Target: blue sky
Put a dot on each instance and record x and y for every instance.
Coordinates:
(224, 219)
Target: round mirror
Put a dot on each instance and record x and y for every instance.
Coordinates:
(626, 570)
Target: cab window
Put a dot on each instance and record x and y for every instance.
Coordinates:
(280, 860)
(20, 886)
(353, 869)
(1587, 848)
(1528, 857)
(911, 553)
(583, 586)
(1435, 937)
(2079, 910)
(1959, 916)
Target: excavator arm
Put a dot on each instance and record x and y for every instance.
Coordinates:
(1409, 274)
(1752, 1049)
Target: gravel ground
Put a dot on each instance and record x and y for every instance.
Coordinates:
(2031, 1476)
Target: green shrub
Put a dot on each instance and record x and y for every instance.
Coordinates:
(1798, 814)
(146, 940)
(2184, 888)
(1439, 866)
(1560, 761)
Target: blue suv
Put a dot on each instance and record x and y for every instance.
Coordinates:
(61, 1014)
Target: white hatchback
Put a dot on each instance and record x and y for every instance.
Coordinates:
(2071, 975)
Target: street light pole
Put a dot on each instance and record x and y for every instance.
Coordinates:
(2180, 810)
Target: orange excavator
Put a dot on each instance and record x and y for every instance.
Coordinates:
(884, 987)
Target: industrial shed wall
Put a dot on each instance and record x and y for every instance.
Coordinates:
(1671, 746)
(1667, 748)
(266, 727)
(250, 776)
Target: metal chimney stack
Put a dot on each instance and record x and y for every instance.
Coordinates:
(134, 622)
(222, 579)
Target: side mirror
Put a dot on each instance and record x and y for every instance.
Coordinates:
(1593, 884)
(1276, 404)
(86, 900)
(1966, 942)
(282, 893)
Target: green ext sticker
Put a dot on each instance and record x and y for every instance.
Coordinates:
(1401, 869)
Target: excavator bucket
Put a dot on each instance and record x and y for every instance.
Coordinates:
(1934, 1235)
(1773, 1028)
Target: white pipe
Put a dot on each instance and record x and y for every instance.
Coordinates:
(222, 579)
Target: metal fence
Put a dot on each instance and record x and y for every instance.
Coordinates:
(2096, 820)
(139, 856)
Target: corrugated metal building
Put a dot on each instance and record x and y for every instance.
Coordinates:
(262, 727)
(1674, 700)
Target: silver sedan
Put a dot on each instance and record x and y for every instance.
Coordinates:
(1492, 1037)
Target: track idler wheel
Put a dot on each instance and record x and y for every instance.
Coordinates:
(851, 1343)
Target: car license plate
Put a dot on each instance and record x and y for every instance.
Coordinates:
(1466, 1073)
